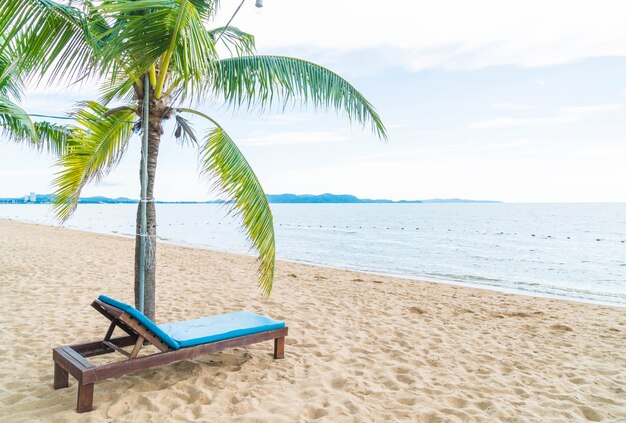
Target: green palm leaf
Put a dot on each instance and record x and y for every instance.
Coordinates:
(168, 34)
(260, 81)
(52, 137)
(122, 88)
(234, 179)
(11, 85)
(237, 42)
(47, 36)
(95, 146)
(15, 122)
(17, 125)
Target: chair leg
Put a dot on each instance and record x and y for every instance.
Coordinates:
(137, 347)
(85, 398)
(61, 377)
(279, 348)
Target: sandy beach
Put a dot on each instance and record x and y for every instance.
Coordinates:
(362, 348)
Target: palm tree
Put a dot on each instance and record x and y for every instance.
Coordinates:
(120, 44)
(15, 123)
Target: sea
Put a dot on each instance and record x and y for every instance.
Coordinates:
(570, 251)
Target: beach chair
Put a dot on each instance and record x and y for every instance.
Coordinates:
(176, 341)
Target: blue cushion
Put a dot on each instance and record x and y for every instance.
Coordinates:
(216, 328)
(142, 319)
(203, 330)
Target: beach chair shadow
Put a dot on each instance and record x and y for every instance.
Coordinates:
(177, 341)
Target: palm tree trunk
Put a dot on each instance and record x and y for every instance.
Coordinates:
(155, 130)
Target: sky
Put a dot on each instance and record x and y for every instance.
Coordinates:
(518, 101)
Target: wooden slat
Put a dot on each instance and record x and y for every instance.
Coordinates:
(112, 313)
(89, 349)
(128, 324)
(110, 370)
(79, 358)
(141, 330)
(67, 362)
(136, 348)
(106, 310)
(110, 330)
(116, 348)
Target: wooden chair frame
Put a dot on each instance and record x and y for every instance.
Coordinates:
(72, 359)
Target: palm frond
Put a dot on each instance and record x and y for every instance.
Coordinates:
(260, 81)
(140, 32)
(15, 123)
(11, 85)
(47, 36)
(120, 87)
(238, 42)
(52, 137)
(194, 55)
(206, 8)
(168, 34)
(95, 146)
(234, 179)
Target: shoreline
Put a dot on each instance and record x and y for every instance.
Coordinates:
(472, 285)
(361, 347)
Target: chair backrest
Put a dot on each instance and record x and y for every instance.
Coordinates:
(142, 319)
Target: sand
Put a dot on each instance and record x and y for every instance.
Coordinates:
(362, 348)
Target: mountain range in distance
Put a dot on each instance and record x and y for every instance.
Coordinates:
(272, 198)
(347, 198)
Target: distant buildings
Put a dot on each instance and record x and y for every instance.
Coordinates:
(31, 198)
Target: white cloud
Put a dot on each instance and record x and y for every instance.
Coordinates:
(513, 106)
(397, 125)
(284, 119)
(586, 110)
(508, 122)
(448, 33)
(565, 115)
(294, 137)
